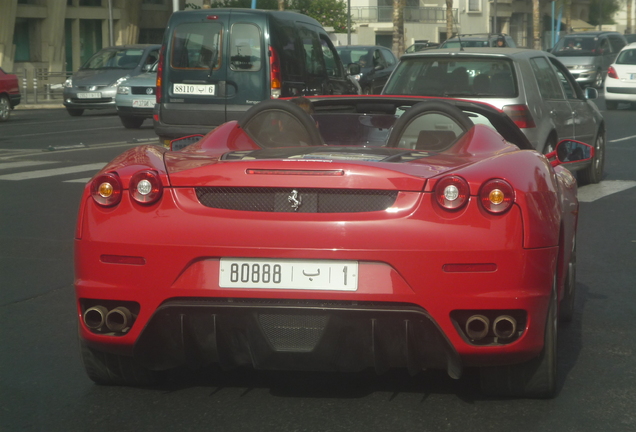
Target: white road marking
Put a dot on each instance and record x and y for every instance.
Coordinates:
(53, 172)
(594, 192)
(622, 139)
(65, 132)
(82, 180)
(22, 164)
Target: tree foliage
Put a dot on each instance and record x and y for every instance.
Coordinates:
(329, 13)
(602, 11)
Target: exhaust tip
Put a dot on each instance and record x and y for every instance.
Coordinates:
(94, 317)
(119, 319)
(477, 327)
(504, 327)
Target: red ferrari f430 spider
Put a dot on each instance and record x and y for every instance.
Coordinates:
(378, 232)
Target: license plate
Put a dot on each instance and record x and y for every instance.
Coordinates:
(194, 89)
(632, 76)
(288, 274)
(89, 95)
(143, 103)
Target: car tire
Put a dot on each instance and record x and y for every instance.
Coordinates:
(536, 378)
(112, 369)
(593, 173)
(5, 108)
(131, 122)
(611, 105)
(75, 112)
(598, 81)
(566, 308)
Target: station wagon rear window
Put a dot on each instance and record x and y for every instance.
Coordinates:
(454, 77)
(197, 46)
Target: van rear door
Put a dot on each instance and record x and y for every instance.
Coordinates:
(195, 73)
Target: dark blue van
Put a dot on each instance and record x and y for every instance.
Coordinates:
(216, 63)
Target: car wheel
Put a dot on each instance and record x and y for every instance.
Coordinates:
(112, 369)
(594, 172)
(598, 82)
(74, 112)
(536, 378)
(611, 105)
(131, 122)
(566, 309)
(5, 108)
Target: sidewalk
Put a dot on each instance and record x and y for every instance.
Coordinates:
(40, 105)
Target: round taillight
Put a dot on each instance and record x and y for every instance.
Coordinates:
(106, 189)
(145, 187)
(496, 196)
(452, 192)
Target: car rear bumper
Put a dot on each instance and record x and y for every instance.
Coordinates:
(617, 92)
(134, 112)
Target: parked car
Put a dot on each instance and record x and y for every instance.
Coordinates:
(9, 94)
(630, 38)
(215, 69)
(136, 97)
(420, 45)
(588, 54)
(376, 64)
(94, 85)
(532, 87)
(620, 84)
(252, 246)
(474, 40)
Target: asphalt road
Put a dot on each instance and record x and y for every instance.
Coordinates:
(46, 158)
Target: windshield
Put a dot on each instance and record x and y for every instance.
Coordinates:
(115, 59)
(460, 77)
(465, 43)
(576, 46)
(360, 56)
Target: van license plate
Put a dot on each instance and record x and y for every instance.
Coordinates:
(300, 274)
(89, 95)
(143, 103)
(194, 89)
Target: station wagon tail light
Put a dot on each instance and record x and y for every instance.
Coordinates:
(145, 187)
(106, 189)
(496, 196)
(159, 76)
(452, 192)
(275, 83)
(520, 114)
(611, 73)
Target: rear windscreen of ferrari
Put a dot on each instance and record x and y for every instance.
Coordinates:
(454, 77)
(197, 46)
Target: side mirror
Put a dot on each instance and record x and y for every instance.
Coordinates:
(353, 69)
(571, 152)
(591, 93)
(181, 143)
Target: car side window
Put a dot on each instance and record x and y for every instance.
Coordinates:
(378, 60)
(388, 57)
(617, 43)
(197, 46)
(314, 61)
(328, 52)
(604, 46)
(567, 84)
(245, 47)
(547, 81)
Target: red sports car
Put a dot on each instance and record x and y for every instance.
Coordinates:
(377, 232)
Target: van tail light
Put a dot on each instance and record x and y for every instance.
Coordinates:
(158, 91)
(520, 115)
(452, 192)
(496, 196)
(275, 82)
(145, 187)
(106, 189)
(611, 73)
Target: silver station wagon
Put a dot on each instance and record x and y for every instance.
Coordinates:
(532, 87)
(136, 97)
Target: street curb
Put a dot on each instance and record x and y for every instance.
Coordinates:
(38, 106)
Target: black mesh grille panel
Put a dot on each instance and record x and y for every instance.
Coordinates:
(296, 200)
(298, 333)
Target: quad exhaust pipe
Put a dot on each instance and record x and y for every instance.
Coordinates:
(504, 327)
(99, 317)
(477, 327)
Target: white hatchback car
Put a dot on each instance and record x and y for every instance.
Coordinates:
(620, 85)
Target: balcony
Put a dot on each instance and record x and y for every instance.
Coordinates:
(425, 15)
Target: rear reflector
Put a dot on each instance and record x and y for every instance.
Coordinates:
(296, 172)
(469, 268)
(121, 259)
(520, 114)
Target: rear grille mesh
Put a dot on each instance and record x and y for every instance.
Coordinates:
(299, 333)
(296, 200)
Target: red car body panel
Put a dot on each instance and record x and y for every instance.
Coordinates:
(413, 253)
